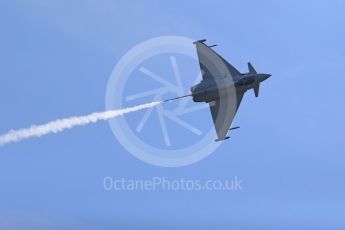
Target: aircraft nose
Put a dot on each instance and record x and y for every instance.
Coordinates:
(264, 76)
(267, 76)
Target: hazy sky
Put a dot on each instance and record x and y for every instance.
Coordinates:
(56, 58)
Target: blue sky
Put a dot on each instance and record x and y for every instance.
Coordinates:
(56, 58)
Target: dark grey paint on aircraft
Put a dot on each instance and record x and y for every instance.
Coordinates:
(223, 87)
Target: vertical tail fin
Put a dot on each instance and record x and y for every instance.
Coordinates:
(251, 68)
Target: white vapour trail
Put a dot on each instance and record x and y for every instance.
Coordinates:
(68, 123)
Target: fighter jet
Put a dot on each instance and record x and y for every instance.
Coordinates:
(223, 87)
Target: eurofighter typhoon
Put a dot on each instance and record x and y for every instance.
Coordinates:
(223, 87)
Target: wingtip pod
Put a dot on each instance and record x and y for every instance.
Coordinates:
(221, 139)
(201, 41)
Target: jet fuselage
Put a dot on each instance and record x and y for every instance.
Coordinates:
(211, 89)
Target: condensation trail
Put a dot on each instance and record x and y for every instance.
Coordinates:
(68, 123)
